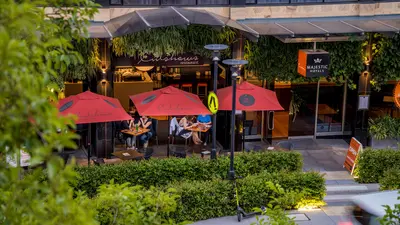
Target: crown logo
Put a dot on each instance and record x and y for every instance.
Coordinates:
(317, 60)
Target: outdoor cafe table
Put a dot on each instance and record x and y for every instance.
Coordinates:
(199, 129)
(128, 155)
(135, 133)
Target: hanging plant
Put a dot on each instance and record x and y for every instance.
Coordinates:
(385, 65)
(172, 40)
(88, 63)
(272, 60)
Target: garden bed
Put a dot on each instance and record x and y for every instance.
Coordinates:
(159, 172)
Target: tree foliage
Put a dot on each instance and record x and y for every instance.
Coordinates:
(35, 46)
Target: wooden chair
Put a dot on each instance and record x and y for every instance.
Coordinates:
(187, 87)
(202, 90)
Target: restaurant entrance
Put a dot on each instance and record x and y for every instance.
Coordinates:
(306, 115)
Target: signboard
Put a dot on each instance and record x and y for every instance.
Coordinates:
(351, 156)
(212, 102)
(168, 60)
(313, 63)
(396, 95)
(363, 102)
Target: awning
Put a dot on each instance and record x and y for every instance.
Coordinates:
(140, 20)
(329, 26)
(98, 30)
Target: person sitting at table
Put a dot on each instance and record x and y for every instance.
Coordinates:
(187, 123)
(145, 122)
(130, 140)
(205, 121)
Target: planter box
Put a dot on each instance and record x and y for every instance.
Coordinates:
(386, 143)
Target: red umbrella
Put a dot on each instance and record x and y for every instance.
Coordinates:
(169, 101)
(93, 108)
(249, 97)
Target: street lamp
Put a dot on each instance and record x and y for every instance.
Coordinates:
(235, 68)
(216, 48)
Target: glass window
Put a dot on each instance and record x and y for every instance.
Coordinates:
(330, 107)
(115, 2)
(141, 2)
(213, 2)
(301, 110)
(178, 2)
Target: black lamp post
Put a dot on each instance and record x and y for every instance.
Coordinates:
(234, 63)
(216, 48)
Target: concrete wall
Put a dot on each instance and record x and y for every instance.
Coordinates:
(291, 11)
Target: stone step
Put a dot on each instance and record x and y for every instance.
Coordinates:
(339, 198)
(351, 188)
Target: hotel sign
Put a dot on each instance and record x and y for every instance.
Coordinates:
(313, 63)
(168, 60)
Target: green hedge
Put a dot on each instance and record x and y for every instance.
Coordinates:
(372, 164)
(200, 200)
(157, 172)
(390, 179)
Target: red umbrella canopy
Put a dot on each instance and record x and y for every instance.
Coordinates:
(249, 97)
(169, 101)
(93, 108)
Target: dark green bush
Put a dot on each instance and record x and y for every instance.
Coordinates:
(202, 200)
(158, 172)
(390, 179)
(372, 164)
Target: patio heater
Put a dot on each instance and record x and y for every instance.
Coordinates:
(216, 48)
(235, 68)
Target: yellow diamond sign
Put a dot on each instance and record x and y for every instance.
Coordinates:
(212, 102)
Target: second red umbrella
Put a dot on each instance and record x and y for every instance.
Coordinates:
(169, 101)
(249, 97)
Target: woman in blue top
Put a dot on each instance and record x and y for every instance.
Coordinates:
(205, 120)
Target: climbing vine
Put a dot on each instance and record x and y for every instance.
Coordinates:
(173, 40)
(385, 64)
(272, 59)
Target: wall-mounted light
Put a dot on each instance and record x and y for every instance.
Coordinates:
(103, 69)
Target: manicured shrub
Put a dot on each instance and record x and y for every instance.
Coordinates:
(390, 179)
(122, 204)
(372, 164)
(200, 200)
(158, 172)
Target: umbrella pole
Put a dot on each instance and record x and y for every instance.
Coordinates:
(243, 130)
(168, 137)
(90, 144)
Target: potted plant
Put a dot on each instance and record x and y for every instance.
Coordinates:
(384, 132)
